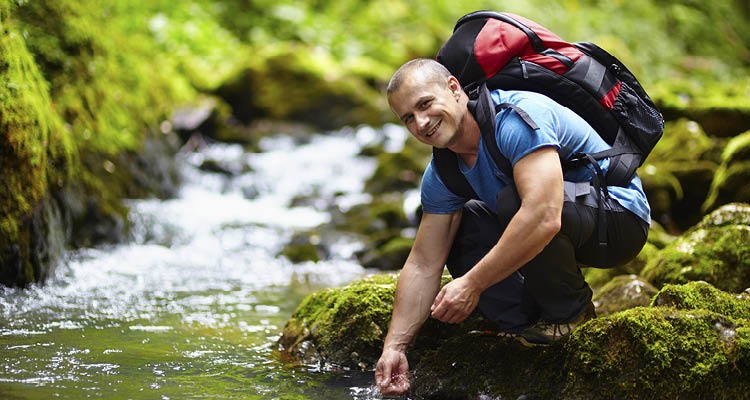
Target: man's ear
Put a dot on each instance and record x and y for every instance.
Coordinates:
(454, 86)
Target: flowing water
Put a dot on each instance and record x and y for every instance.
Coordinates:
(194, 305)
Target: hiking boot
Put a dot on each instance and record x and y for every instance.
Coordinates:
(543, 332)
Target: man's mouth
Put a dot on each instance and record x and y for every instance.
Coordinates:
(434, 128)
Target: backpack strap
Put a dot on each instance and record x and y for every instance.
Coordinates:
(446, 163)
(484, 111)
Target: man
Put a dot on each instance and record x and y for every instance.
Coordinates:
(515, 252)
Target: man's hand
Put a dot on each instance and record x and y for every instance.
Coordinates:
(455, 301)
(391, 374)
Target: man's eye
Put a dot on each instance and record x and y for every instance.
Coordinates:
(426, 103)
(407, 119)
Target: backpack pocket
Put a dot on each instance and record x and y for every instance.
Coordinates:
(640, 119)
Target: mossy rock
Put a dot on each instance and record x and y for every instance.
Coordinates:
(730, 214)
(621, 293)
(397, 172)
(730, 184)
(689, 347)
(390, 256)
(306, 246)
(296, 83)
(633, 354)
(683, 140)
(719, 255)
(703, 295)
(345, 327)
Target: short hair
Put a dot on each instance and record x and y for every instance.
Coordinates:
(433, 70)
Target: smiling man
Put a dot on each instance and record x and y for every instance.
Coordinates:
(513, 252)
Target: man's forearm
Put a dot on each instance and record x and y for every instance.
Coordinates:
(528, 232)
(415, 292)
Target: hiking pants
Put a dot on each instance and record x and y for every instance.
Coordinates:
(550, 287)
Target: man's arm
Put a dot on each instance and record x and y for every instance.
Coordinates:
(417, 286)
(538, 178)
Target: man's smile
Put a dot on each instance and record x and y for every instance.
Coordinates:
(434, 128)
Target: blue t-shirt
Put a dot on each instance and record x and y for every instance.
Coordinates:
(558, 126)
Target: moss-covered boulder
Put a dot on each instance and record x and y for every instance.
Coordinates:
(294, 82)
(345, 327)
(730, 184)
(703, 295)
(719, 255)
(305, 246)
(692, 342)
(635, 354)
(622, 293)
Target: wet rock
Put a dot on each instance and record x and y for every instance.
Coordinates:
(631, 354)
(719, 255)
(622, 293)
(679, 351)
(305, 246)
(730, 184)
(389, 256)
(332, 324)
(211, 117)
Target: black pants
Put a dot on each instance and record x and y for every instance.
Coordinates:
(551, 286)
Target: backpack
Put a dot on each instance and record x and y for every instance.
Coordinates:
(492, 50)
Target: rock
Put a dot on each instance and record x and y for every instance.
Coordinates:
(622, 293)
(730, 184)
(305, 86)
(305, 246)
(719, 254)
(631, 354)
(389, 256)
(687, 347)
(702, 295)
(331, 325)
(730, 214)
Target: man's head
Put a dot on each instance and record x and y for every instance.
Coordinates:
(429, 101)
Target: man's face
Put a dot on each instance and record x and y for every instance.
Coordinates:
(431, 110)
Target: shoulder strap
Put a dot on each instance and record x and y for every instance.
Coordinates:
(484, 111)
(446, 163)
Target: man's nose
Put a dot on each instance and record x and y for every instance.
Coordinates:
(422, 121)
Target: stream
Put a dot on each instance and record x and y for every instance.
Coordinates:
(193, 306)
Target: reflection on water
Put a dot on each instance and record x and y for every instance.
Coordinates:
(194, 305)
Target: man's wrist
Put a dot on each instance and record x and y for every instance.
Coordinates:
(474, 283)
(396, 346)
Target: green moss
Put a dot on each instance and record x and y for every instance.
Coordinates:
(335, 323)
(702, 295)
(642, 351)
(397, 171)
(730, 182)
(719, 255)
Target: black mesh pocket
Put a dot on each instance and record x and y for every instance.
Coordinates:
(639, 117)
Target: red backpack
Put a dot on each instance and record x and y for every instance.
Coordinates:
(491, 50)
